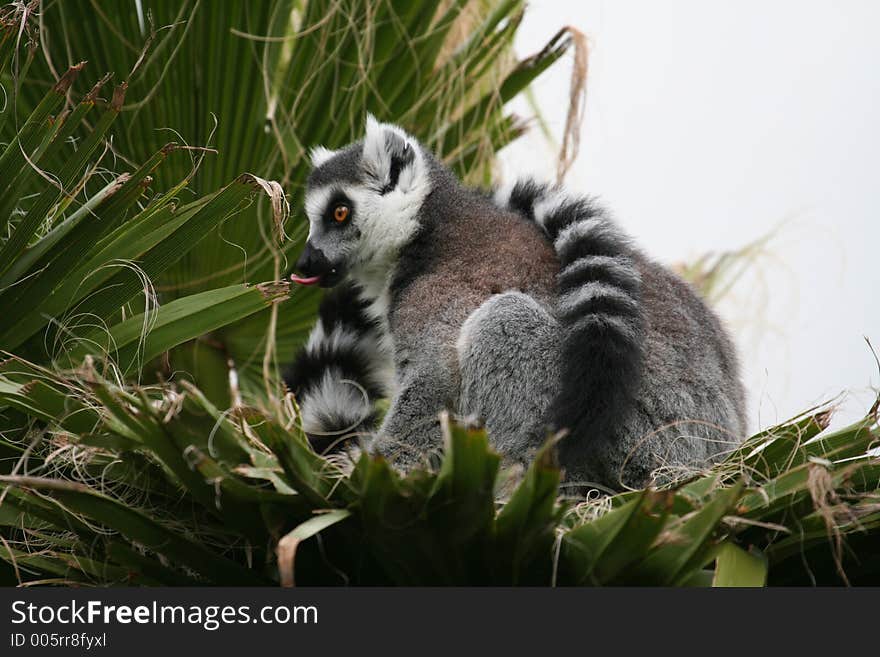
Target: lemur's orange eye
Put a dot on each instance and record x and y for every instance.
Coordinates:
(341, 213)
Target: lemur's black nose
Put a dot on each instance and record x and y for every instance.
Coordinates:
(312, 262)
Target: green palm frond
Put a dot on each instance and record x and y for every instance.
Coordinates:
(247, 482)
(80, 247)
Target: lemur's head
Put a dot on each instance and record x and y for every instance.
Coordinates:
(362, 203)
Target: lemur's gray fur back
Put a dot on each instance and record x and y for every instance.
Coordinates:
(531, 310)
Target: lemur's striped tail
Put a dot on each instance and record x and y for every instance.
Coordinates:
(337, 376)
(599, 307)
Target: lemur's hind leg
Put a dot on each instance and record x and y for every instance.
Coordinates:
(508, 351)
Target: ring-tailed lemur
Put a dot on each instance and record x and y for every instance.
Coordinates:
(529, 310)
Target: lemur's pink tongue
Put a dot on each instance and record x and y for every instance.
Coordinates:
(311, 280)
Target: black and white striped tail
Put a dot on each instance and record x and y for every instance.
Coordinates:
(337, 375)
(599, 307)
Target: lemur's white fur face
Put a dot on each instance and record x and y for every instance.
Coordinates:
(363, 201)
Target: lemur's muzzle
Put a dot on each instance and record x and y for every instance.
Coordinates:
(315, 268)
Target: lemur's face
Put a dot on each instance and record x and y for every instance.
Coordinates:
(362, 204)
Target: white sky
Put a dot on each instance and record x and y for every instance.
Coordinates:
(709, 124)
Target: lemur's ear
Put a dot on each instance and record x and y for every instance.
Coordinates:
(319, 155)
(388, 153)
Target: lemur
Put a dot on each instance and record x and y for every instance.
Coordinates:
(530, 310)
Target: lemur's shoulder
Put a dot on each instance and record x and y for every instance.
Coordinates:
(468, 250)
